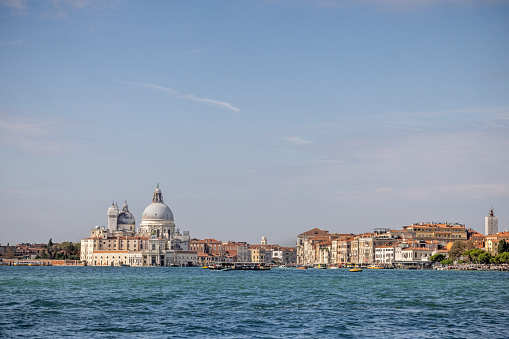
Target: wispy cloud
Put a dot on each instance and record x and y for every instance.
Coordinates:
(213, 102)
(298, 141)
(18, 42)
(19, 5)
(31, 135)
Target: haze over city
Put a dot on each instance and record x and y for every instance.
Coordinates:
(255, 117)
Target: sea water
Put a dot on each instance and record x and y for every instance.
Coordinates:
(153, 302)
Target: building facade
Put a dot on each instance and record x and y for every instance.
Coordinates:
(156, 243)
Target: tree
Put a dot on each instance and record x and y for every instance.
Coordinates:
(9, 253)
(457, 248)
(50, 243)
(503, 246)
(485, 257)
(503, 258)
(437, 257)
(473, 255)
(446, 262)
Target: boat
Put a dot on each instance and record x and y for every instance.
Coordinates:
(375, 267)
(334, 267)
(302, 268)
(355, 269)
(205, 266)
(240, 266)
(321, 267)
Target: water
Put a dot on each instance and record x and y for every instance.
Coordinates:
(111, 302)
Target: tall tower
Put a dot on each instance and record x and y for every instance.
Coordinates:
(264, 240)
(112, 217)
(491, 224)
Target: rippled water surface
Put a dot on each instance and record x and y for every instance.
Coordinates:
(110, 302)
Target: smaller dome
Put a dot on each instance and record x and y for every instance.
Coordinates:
(125, 218)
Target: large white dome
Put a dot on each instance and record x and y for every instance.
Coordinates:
(157, 210)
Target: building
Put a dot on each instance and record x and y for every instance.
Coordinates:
(493, 240)
(209, 251)
(304, 244)
(156, 243)
(385, 254)
(442, 231)
(490, 224)
(284, 255)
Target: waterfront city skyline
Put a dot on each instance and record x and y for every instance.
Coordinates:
(256, 117)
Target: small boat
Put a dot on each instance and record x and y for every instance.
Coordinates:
(205, 266)
(321, 267)
(355, 269)
(334, 267)
(375, 267)
(302, 268)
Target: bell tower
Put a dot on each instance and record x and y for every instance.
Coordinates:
(112, 217)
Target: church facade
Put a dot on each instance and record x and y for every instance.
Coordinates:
(155, 243)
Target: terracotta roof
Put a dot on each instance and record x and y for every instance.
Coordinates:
(314, 232)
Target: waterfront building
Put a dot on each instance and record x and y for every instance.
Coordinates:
(324, 253)
(442, 231)
(385, 254)
(233, 253)
(493, 240)
(209, 251)
(260, 255)
(284, 255)
(156, 243)
(344, 250)
(490, 224)
(412, 254)
(305, 242)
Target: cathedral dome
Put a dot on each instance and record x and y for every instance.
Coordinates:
(125, 217)
(157, 209)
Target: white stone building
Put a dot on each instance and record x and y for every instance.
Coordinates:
(157, 242)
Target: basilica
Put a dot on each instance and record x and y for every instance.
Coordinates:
(155, 243)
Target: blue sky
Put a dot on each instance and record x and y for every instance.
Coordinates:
(256, 117)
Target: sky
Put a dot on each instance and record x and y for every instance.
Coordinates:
(256, 118)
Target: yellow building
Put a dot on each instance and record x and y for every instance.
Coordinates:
(493, 240)
(438, 231)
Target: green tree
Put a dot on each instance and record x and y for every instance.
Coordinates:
(473, 255)
(446, 262)
(503, 246)
(50, 243)
(457, 249)
(485, 257)
(503, 258)
(437, 257)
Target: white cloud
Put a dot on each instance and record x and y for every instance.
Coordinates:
(298, 140)
(31, 135)
(213, 102)
(20, 5)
